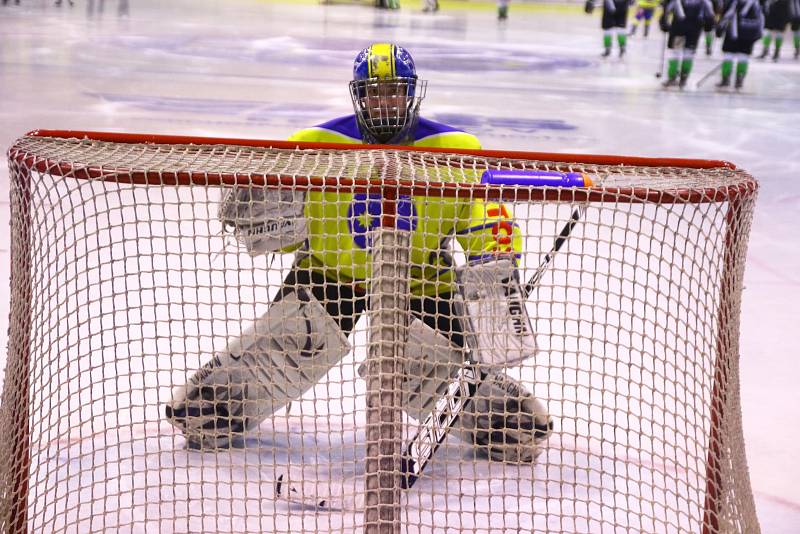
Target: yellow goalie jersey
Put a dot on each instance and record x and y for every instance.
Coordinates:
(339, 224)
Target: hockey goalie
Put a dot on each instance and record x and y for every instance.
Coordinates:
(304, 333)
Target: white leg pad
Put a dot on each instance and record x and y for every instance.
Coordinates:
(431, 360)
(284, 353)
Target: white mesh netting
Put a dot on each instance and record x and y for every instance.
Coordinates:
(127, 278)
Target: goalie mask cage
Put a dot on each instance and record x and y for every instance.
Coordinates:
(124, 282)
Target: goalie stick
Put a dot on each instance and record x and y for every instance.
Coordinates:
(462, 388)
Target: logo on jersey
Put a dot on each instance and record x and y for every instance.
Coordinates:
(502, 230)
(364, 214)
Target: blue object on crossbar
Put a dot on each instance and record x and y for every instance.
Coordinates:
(536, 178)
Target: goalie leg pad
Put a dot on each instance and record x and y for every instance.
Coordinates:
(431, 360)
(284, 353)
(505, 421)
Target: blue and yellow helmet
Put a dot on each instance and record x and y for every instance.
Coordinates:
(384, 61)
(386, 94)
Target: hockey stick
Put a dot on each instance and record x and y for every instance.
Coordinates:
(663, 55)
(708, 75)
(562, 237)
(462, 387)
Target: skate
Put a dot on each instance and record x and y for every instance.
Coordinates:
(797, 53)
(671, 82)
(683, 80)
(621, 51)
(739, 81)
(764, 53)
(776, 55)
(632, 32)
(606, 52)
(646, 30)
(709, 49)
(724, 83)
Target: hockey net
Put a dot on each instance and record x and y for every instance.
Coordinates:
(124, 282)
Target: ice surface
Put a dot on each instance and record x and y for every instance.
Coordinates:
(265, 69)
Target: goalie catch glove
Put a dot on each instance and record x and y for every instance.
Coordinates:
(498, 323)
(264, 220)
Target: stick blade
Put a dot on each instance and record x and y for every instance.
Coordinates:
(309, 489)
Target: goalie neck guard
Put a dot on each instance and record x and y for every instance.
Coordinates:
(386, 94)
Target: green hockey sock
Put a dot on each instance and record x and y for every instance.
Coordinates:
(797, 40)
(709, 38)
(672, 69)
(779, 41)
(767, 40)
(607, 41)
(502, 12)
(622, 39)
(741, 68)
(727, 68)
(686, 66)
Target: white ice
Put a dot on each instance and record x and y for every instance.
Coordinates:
(263, 69)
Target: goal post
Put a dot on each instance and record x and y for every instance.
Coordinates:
(125, 282)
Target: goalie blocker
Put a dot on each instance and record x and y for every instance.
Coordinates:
(498, 325)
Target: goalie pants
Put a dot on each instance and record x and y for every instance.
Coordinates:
(345, 304)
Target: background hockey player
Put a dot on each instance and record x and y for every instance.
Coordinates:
(305, 331)
(431, 6)
(777, 16)
(644, 12)
(614, 21)
(684, 20)
(502, 9)
(711, 25)
(387, 4)
(742, 24)
(795, 26)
